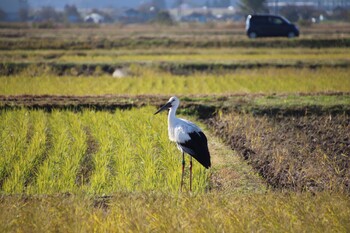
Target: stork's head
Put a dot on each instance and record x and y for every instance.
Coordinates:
(172, 103)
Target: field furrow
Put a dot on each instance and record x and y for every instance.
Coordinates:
(87, 166)
(101, 174)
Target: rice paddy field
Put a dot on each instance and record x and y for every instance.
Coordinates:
(81, 151)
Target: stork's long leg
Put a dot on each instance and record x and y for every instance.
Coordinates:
(190, 173)
(183, 169)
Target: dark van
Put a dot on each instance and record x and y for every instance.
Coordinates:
(270, 25)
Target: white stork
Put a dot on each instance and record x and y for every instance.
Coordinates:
(188, 137)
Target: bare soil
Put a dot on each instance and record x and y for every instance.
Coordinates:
(203, 106)
(310, 152)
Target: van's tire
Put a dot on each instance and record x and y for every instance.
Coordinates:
(252, 35)
(291, 35)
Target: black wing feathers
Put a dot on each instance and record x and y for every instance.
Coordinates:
(197, 147)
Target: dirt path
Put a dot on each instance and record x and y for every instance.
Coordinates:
(230, 173)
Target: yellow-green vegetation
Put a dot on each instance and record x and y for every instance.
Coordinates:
(302, 100)
(20, 155)
(178, 55)
(155, 212)
(67, 146)
(150, 81)
(89, 152)
(101, 171)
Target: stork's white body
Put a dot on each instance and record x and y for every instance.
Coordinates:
(179, 129)
(189, 137)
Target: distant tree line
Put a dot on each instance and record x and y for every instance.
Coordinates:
(158, 12)
(253, 6)
(218, 3)
(208, 3)
(294, 13)
(48, 13)
(159, 4)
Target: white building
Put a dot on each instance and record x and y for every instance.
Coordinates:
(94, 18)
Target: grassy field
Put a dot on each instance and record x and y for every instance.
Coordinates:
(81, 151)
(176, 55)
(190, 35)
(89, 152)
(146, 212)
(147, 81)
(83, 171)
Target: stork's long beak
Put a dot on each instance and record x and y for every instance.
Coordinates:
(165, 107)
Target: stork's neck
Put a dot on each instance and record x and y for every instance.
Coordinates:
(172, 115)
(172, 121)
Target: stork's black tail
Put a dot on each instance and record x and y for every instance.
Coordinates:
(197, 147)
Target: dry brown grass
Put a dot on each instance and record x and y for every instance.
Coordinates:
(293, 152)
(155, 212)
(151, 35)
(114, 30)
